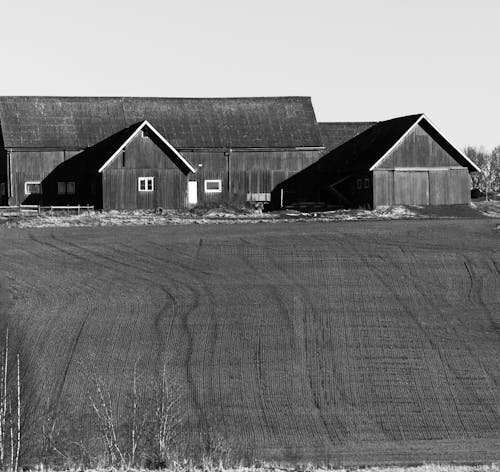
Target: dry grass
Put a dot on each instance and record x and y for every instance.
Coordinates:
(230, 216)
(491, 467)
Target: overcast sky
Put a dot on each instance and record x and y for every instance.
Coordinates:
(358, 59)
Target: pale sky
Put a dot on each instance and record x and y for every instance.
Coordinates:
(359, 60)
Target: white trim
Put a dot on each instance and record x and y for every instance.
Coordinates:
(449, 142)
(134, 134)
(219, 190)
(423, 169)
(145, 180)
(423, 117)
(406, 133)
(32, 182)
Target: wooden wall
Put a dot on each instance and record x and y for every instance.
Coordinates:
(418, 149)
(421, 187)
(3, 176)
(248, 171)
(34, 165)
(144, 157)
(420, 172)
(119, 189)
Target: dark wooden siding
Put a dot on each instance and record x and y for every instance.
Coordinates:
(429, 187)
(418, 149)
(244, 172)
(144, 157)
(120, 192)
(32, 166)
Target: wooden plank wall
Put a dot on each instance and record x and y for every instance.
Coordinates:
(119, 189)
(33, 166)
(250, 171)
(418, 149)
(430, 187)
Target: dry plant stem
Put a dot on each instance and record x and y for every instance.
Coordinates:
(18, 446)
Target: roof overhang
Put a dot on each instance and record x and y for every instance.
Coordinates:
(422, 117)
(147, 124)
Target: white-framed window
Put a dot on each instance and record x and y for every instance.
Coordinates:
(367, 182)
(359, 184)
(213, 186)
(32, 188)
(65, 188)
(146, 184)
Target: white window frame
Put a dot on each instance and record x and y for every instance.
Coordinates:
(211, 190)
(32, 182)
(145, 180)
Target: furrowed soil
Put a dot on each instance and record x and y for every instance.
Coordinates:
(347, 342)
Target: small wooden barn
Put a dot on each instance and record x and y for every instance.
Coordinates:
(131, 152)
(403, 161)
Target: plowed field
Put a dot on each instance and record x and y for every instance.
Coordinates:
(350, 342)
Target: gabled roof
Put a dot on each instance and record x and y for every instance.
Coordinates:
(131, 133)
(334, 134)
(368, 149)
(80, 122)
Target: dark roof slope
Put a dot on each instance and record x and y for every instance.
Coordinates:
(334, 134)
(79, 122)
(360, 153)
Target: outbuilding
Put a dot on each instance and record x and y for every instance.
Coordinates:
(403, 161)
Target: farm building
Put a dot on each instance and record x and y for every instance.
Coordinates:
(128, 153)
(403, 161)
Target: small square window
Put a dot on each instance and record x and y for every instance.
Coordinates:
(359, 184)
(367, 183)
(65, 188)
(32, 188)
(145, 184)
(213, 186)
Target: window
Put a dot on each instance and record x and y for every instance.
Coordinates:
(145, 184)
(213, 186)
(367, 183)
(359, 184)
(65, 188)
(2, 188)
(32, 188)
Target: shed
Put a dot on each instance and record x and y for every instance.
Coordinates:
(402, 161)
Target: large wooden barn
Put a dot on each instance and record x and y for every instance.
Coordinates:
(403, 161)
(127, 153)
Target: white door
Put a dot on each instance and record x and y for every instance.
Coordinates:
(192, 192)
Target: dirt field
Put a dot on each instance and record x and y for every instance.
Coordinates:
(346, 342)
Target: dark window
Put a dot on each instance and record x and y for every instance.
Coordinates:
(2, 188)
(65, 188)
(367, 183)
(359, 184)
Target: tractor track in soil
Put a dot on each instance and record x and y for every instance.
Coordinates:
(303, 340)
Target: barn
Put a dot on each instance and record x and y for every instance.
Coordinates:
(402, 161)
(135, 152)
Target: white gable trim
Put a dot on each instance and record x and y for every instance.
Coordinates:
(406, 133)
(423, 117)
(456, 149)
(134, 134)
